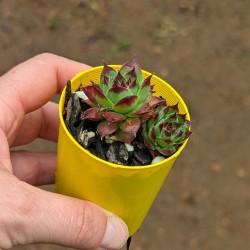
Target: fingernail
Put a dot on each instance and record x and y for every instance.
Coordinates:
(116, 233)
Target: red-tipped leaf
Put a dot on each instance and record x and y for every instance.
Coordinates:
(155, 101)
(105, 128)
(93, 114)
(107, 72)
(125, 104)
(132, 63)
(167, 152)
(146, 82)
(144, 109)
(92, 92)
(124, 137)
(113, 117)
(131, 125)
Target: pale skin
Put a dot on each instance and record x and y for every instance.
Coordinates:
(29, 214)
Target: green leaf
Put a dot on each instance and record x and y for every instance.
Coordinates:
(125, 105)
(117, 92)
(107, 77)
(132, 64)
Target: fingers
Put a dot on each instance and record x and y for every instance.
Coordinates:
(35, 81)
(4, 152)
(52, 218)
(34, 168)
(43, 123)
(30, 85)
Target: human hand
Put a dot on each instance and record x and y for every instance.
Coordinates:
(29, 214)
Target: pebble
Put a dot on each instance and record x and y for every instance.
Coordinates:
(158, 159)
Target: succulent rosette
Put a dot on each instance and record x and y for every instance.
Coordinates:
(121, 101)
(166, 131)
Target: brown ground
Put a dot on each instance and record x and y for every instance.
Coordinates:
(203, 49)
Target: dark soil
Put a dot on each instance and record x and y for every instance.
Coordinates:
(203, 49)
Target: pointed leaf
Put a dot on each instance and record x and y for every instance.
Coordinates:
(147, 116)
(131, 125)
(152, 135)
(93, 114)
(187, 134)
(146, 82)
(132, 63)
(105, 128)
(113, 117)
(177, 125)
(124, 137)
(132, 73)
(161, 125)
(187, 123)
(167, 152)
(174, 107)
(119, 78)
(154, 153)
(181, 117)
(155, 101)
(117, 89)
(126, 67)
(125, 105)
(148, 143)
(96, 96)
(144, 109)
(108, 72)
(92, 91)
(144, 92)
(107, 77)
(163, 143)
(178, 134)
(124, 70)
(132, 86)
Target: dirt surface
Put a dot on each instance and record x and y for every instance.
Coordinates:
(203, 49)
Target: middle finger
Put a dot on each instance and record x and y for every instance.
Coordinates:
(42, 123)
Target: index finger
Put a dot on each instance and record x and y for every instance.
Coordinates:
(34, 82)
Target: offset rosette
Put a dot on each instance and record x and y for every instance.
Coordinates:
(166, 131)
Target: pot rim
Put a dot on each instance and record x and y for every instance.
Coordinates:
(114, 165)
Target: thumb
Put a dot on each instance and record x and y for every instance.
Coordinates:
(57, 219)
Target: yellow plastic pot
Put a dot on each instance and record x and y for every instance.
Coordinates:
(126, 191)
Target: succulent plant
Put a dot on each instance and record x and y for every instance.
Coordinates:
(122, 101)
(166, 131)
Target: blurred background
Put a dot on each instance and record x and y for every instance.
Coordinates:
(202, 48)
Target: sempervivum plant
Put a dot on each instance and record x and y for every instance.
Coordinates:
(166, 131)
(121, 101)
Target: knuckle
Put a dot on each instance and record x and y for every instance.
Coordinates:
(44, 55)
(84, 227)
(16, 210)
